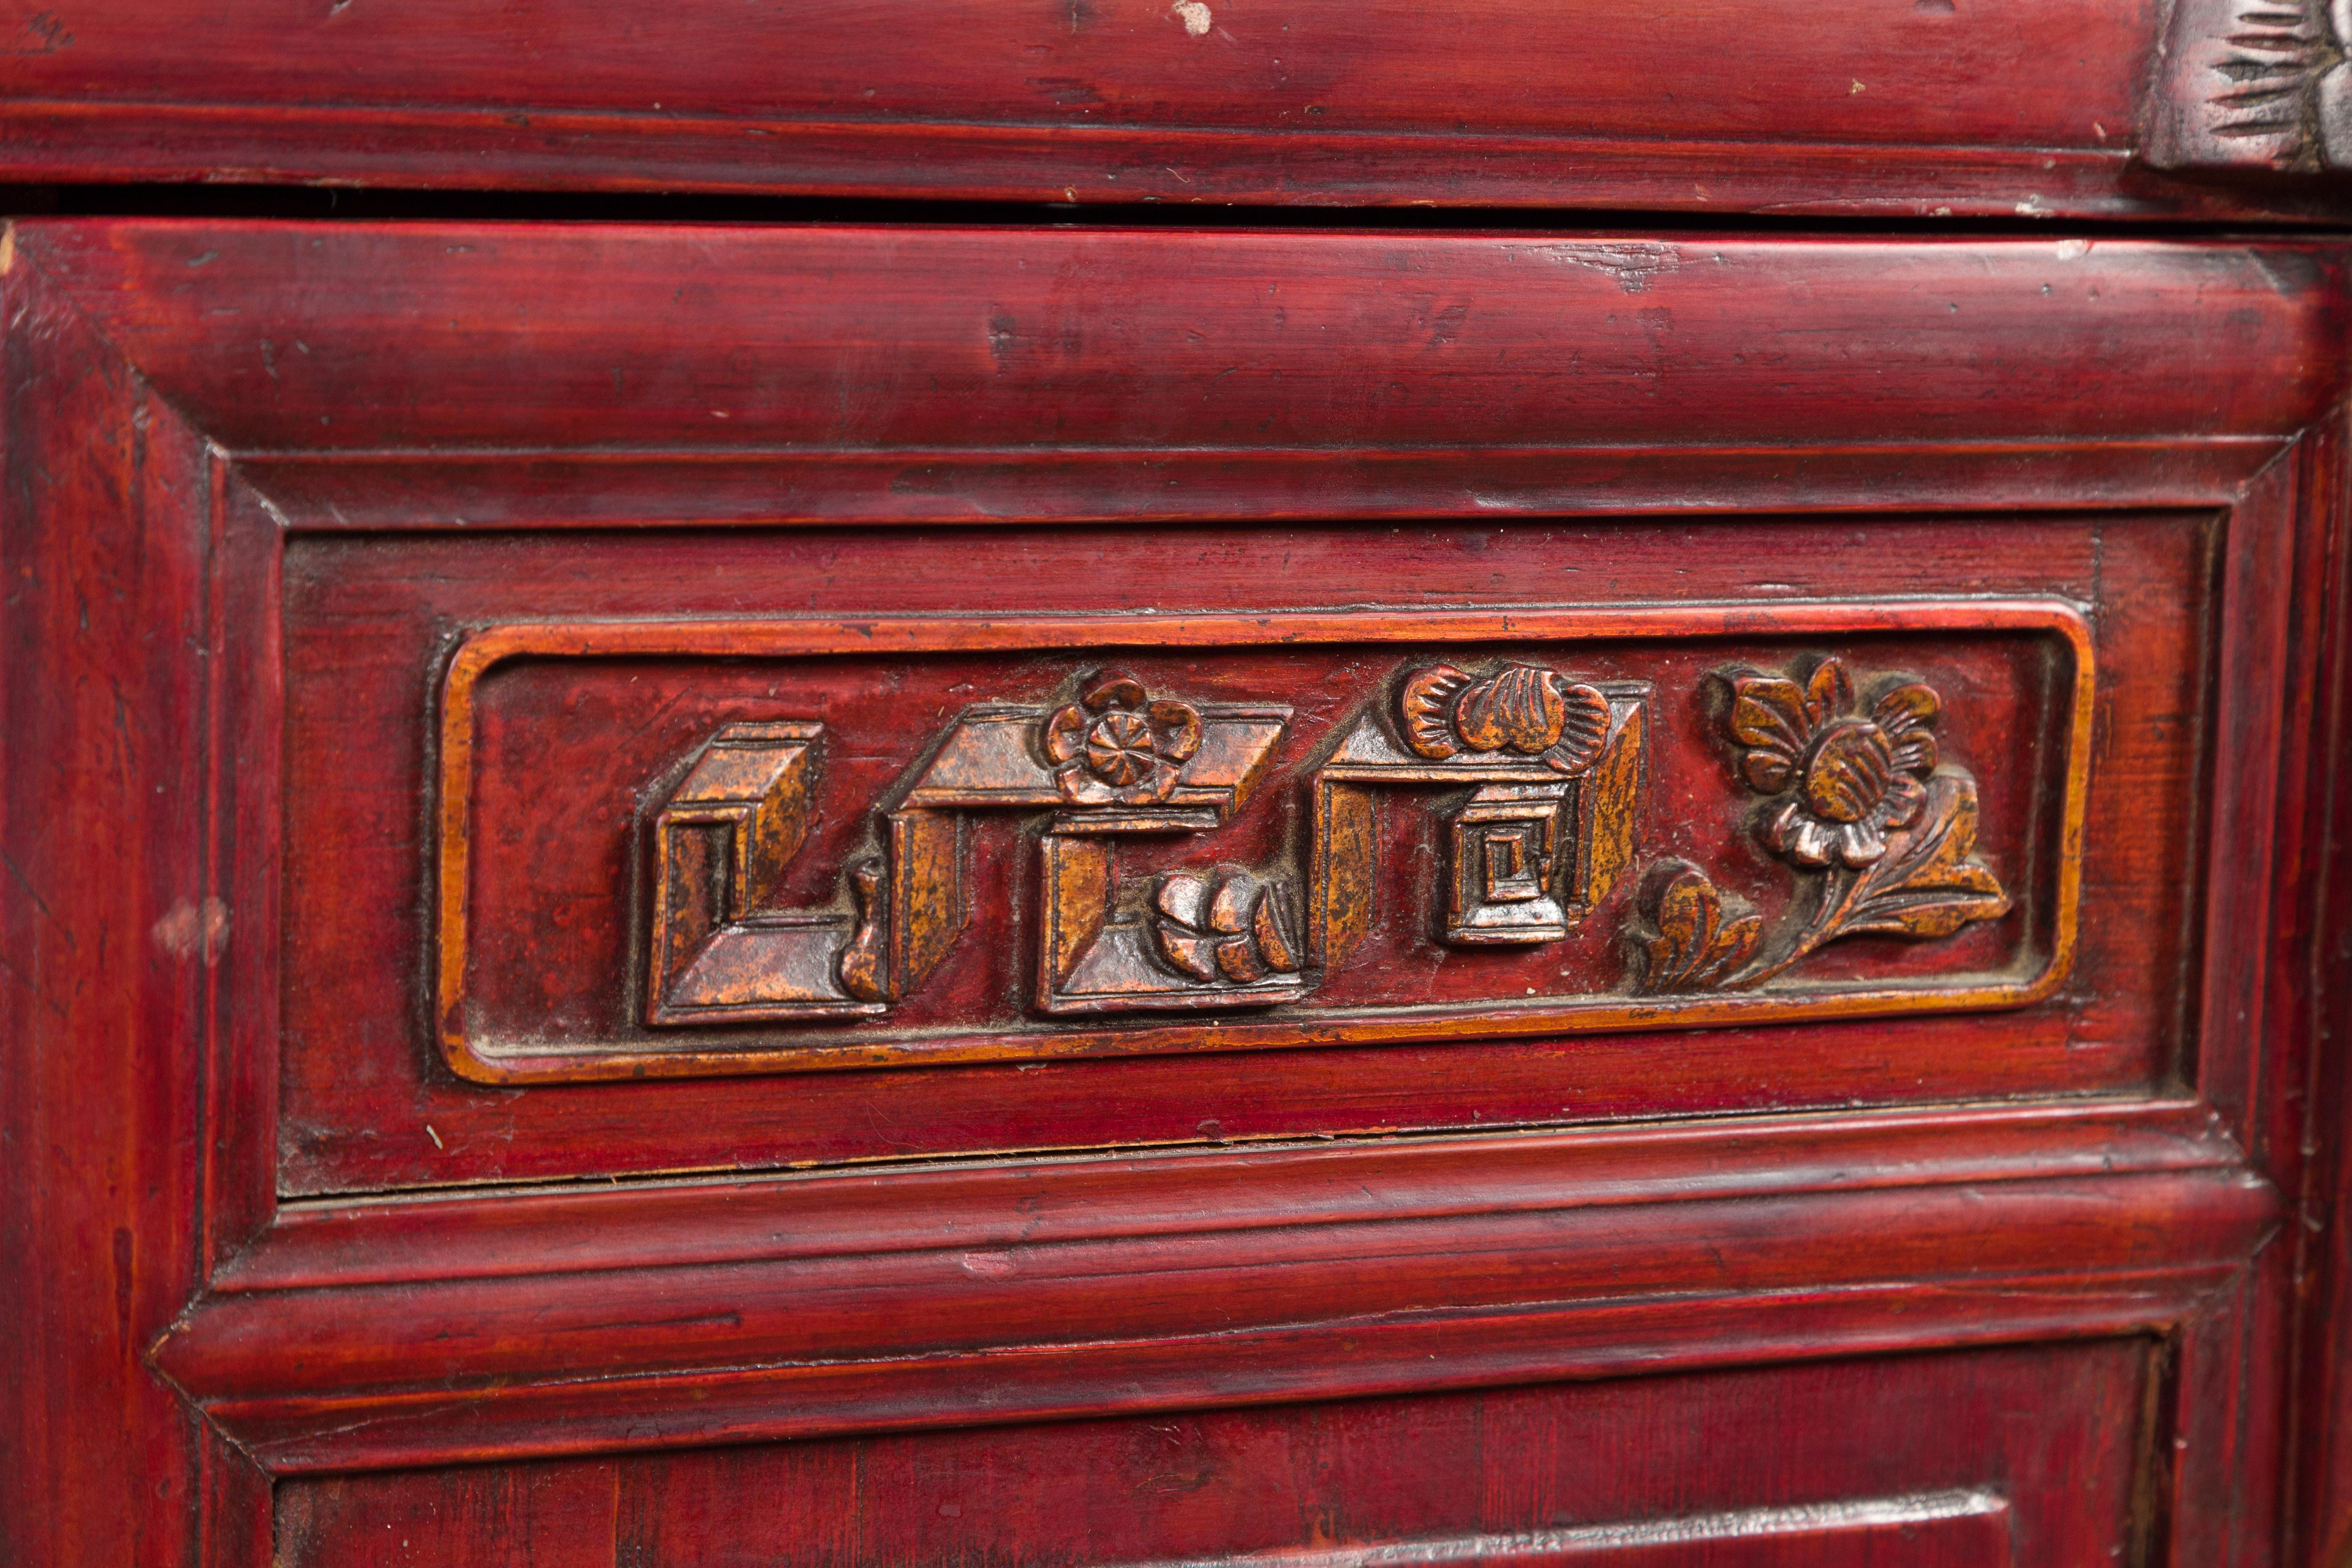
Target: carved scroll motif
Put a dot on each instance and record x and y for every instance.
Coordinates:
(1860, 804)
(1533, 787)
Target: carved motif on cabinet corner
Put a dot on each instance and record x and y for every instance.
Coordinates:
(1531, 785)
(1881, 836)
(2255, 83)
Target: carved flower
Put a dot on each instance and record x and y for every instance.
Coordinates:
(1521, 708)
(1112, 747)
(1234, 926)
(1854, 775)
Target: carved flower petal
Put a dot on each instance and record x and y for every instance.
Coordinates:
(1904, 798)
(1584, 729)
(1808, 845)
(1177, 727)
(1769, 772)
(1782, 829)
(1192, 956)
(1907, 708)
(1066, 735)
(1916, 753)
(1229, 906)
(1114, 689)
(1239, 961)
(1183, 898)
(1829, 693)
(1520, 708)
(1271, 927)
(1080, 787)
(1769, 714)
(1858, 843)
(1848, 772)
(1154, 786)
(1426, 708)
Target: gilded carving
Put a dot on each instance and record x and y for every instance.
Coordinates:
(1231, 927)
(1849, 776)
(1116, 747)
(1696, 935)
(1530, 787)
(1520, 709)
(1860, 800)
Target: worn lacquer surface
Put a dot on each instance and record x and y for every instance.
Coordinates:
(1920, 110)
(1976, 602)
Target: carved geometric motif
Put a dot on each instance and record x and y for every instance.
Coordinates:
(1498, 803)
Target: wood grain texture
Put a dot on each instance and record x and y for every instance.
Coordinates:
(2002, 108)
(1074, 344)
(1833, 425)
(117, 991)
(503, 1307)
(2033, 1451)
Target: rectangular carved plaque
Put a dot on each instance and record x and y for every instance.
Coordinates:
(923, 839)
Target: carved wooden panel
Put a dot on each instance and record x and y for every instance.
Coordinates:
(1411, 826)
(267, 485)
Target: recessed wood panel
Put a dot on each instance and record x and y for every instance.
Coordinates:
(2035, 1451)
(1302, 828)
(572, 747)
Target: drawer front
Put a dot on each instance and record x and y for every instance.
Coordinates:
(2032, 1459)
(1923, 109)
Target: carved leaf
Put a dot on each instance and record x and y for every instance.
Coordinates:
(1929, 883)
(1698, 940)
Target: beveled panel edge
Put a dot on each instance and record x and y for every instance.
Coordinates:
(1402, 1354)
(1986, 1224)
(445, 491)
(483, 648)
(449, 359)
(984, 1201)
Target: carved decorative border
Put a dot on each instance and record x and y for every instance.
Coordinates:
(486, 647)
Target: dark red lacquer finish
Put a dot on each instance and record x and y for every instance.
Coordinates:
(871, 895)
(1872, 108)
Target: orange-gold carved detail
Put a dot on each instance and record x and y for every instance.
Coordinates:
(1859, 796)
(1520, 709)
(1455, 815)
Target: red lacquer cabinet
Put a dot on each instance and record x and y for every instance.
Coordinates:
(1647, 871)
